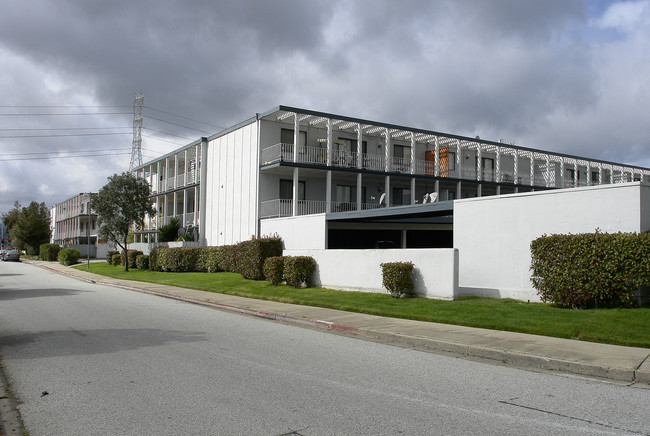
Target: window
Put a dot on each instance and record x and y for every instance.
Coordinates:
(400, 196)
(286, 137)
(487, 169)
(402, 151)
(594, 178)
(286, 190)
(451, 157)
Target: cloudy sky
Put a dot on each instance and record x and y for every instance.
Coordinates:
(564, 75)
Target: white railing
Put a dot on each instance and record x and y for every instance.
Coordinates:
(401, 165)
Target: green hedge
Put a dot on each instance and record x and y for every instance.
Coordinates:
(133, 254)
(397, 277)
(116, 259)
(208, 260)
(178, 259)
(68, 256)
(49, 252)
(109, 256)
(142, 261)
(298, 270)
(274, 269)
(252, 254)
(592, 269)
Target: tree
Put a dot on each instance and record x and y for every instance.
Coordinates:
(31, 227)
(123, 201)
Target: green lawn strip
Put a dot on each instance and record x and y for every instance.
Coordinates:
(629, 327)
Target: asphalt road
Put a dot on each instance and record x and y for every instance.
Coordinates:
(87, 359)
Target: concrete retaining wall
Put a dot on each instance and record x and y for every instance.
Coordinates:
(435, 270)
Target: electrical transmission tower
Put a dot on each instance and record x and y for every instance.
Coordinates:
(136, 150)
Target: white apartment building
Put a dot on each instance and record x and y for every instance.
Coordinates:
(330, 182)
(75, 224)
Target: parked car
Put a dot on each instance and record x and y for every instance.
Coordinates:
(2, 253)
(12, 255)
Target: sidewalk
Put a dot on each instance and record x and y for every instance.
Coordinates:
(609, 362)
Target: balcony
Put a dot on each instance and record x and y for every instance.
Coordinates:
(280, 208)
(279, 153)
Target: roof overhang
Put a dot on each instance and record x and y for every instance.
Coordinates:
(428, 213)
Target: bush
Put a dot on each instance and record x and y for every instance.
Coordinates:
(49, 252)
(298, 270)
(169, 232)
(142, 261)
(116, 259)
(274, 269)
(133, 254)
(252, 254)
(179, 259)
(208, 259)
(68, 256)
(397, 278)
(109, 256)
(227, 258)
(591, 270)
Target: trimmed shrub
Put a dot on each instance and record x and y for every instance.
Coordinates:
(142, 261)
(274, 269)
(252, 254)
(208, 260)
(178, 259)
(49, 252)
(298, 270)
(68, 256)
(109, 256)
(227, 258)
(133, 254)
(397, 277)
(116, 259)
(592, 269)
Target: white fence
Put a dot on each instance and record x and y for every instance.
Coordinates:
(435, 272)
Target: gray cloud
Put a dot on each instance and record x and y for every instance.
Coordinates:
(565, 75)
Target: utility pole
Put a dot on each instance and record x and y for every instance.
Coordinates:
(136, 149)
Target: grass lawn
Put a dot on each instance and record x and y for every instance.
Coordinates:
(611, 326)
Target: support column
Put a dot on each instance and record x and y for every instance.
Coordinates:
(600, 174)
(563, 185)
(548, 171)
(575, 173)
(403, 238)
(184, 207)
(479, 162)
(294, 205)
(175, 172)
(328, 192)
(412, 160)
(388, 154)
(359, 146)
(497, 168)
(197, 193)
(387, 191)
(296, 136)
(203, 191)
(532, 169)
(329, 142)
(359, 190)
(588, 174)
(436, 159)
(413, 191)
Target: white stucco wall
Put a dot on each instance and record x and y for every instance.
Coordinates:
(493, 234)
(435, 270)
(308, 231)
(232, 186)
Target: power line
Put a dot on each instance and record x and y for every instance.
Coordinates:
(159, 139)
(52, 152)
(168, 134)
(61, 128)
(58, 106)
(62, 157)
(58, 114)
(179, 125)
(64, 135)
(185, 118)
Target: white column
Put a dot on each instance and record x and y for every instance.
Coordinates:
(548, 171)
(359, 190)
(175, 199)
(329, 142)
(294, 211)
(412, 159)
(479, 163)
(175, 172)
(412, 190)
(359, 146)
(436, 159)
(296, 138)
(328, 192)
(387, 191)
(497, 169)
(600, 174)
(184, 207)
(575, 173)
(562, 173)
(588, 174)
(532, 169)
(203, 191)
(388, 154)
(459, 159)
(197, 193)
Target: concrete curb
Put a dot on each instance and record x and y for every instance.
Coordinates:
(641, 374)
